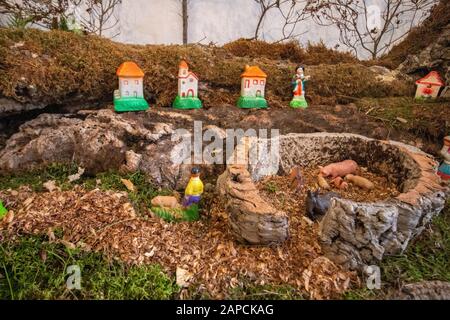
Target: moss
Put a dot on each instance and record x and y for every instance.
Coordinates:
(71, 68)
(32, 268)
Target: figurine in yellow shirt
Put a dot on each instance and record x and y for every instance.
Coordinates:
(194, 189)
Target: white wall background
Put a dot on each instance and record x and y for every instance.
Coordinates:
(217, 21)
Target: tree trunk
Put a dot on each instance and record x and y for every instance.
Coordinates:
(185, 21)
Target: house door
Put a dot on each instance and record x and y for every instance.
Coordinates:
(258, 93)
(135, 94)
(190, 93)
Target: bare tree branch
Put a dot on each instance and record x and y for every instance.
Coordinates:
(352, 18)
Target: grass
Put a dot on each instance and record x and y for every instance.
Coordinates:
(428, 119)
(266, 292)
(36, 178)
(271, 187)
(111, 180)
(31, 268)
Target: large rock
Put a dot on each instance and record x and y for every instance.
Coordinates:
(251, 218)
(357, 234)
(434, 57)
(425, 290)
(98, 141)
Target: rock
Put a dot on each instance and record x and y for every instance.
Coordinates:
(133, 161)
(434, 57)
(426, 290)
(356, 234)
(10, 106)
(97, 141)
(386, 75)
(251, 218)
(50, 185)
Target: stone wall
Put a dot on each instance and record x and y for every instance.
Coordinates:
(356, 234)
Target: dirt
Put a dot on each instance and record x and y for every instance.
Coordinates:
(317, 118)
(284, 195)
(106, 222)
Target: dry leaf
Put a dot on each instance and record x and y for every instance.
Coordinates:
(9, 217)
(77, 176)
(130, 186)
(183, 276)
(50, 185)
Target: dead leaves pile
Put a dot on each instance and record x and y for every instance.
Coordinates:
(202, 254)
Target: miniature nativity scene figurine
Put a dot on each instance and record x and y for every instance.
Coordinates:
(298, 84)
(169, 207)
(429, 86)
(130, 96)
(187, 97)
(253, 83)
(444, 168)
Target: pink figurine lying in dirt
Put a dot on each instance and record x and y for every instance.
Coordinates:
(339, 169)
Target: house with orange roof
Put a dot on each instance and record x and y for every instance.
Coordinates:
(428, 87)
(130, 96)
(253, 84)
(187, 97)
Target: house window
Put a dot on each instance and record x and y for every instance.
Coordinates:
(255, 81)
(125, 82)
(127, 93)
(247, 84)
(137, 81)
(191, 80)
(262, 82)
(183, 82)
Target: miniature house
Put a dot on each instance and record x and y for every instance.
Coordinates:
(187, 97)
(187, 81)
(253, 83)
(130, 96)
(428, 87)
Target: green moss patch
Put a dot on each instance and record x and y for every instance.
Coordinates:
(32, 268)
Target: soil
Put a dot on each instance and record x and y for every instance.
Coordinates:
(284, 195)
(106, 222)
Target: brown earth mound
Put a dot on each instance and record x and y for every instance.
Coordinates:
(47, 68)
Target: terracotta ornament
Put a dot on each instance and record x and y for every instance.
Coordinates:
(130, 96)
(298, 88)
(187, 97)
(253, 83)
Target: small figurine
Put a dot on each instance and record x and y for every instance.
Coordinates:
(340, 183)
(317, 204)
(298, 84)
(323, 183)
(428, 87)
(253, 83)
(360, 182)
(444, 168)
(296, 178)
(187, 97)
(3, 210)
(130, 96)
(340, 169)
(194, 189)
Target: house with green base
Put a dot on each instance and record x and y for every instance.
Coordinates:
(253, 83)
(187, 97)
(130, 96)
